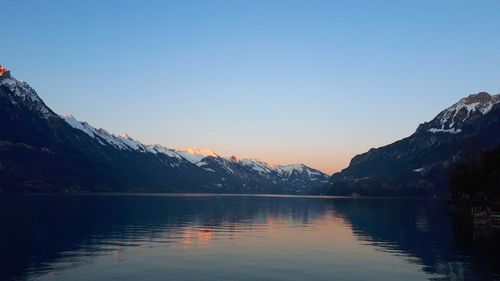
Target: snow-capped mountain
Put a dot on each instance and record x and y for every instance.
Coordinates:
(297, 176)
(22, 93)
(422, 163)
(40, 150)
(469, 108)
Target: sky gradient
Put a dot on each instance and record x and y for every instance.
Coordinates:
(313, 82)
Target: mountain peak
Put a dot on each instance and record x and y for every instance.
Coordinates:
(481, 101)
(4, 72)
(201, 151)
(452, 119)
(479, 97)
(421, 164)
(19, 92)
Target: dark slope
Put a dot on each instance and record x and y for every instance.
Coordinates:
(39, 151)
(422, 163)
(42, 151)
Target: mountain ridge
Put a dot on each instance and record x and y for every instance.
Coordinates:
(421, 164)
(192, 155)
(38, 146)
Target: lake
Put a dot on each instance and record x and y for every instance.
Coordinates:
(222, 237)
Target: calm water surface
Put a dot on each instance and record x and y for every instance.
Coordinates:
(205, 237)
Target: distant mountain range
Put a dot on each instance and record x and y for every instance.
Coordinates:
(43, 151)
(423, 163)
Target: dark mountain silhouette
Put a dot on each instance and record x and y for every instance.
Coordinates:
(42, 151)
(422, 163)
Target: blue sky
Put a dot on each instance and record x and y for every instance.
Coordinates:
(284, 81)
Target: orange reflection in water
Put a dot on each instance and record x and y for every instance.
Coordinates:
(285, 230)
(200, 237)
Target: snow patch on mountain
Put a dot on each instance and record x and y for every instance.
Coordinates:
(450, 119)
(195, 156)
(22, 91)
(299, 168)
(201, 151)
(441, 130)
(133, 144)
(159, 149)
(124, 142)
(264, 168)
(83, 126)
(289, 169)
(191, 157)
(256, 165)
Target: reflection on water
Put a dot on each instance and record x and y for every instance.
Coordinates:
(200, 237)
